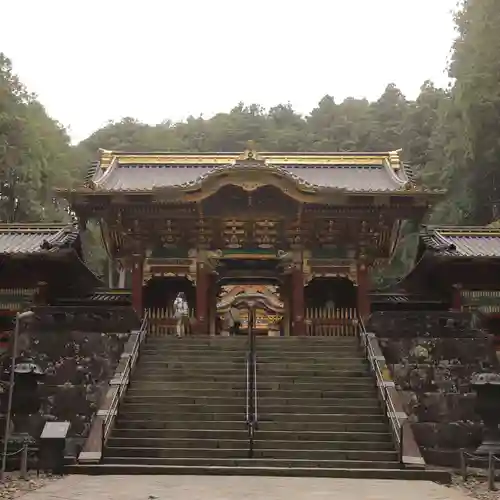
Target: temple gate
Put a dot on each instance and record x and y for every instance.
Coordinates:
(311, 226)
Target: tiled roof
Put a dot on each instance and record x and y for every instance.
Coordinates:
(348, 177)
(472, 241)
(355, 172)
(35, 238)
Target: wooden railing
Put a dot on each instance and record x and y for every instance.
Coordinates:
(328, 322)
(320, 322)
(161, 321)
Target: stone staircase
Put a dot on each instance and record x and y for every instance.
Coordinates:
(318, 412)
(186, 405)
(318, 407)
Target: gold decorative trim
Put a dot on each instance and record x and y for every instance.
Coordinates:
(269, 158)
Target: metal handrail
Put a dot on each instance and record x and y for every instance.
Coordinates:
(397, 427)
(108, 420)
(251, 388)
(247, 390)
(255, 398)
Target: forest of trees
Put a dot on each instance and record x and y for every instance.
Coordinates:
(449, 135)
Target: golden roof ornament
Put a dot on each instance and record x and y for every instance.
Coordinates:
(394, 159)
(106, 157)
(250, 153)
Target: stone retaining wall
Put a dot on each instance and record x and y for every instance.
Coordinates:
(77, 365)
(432, 356)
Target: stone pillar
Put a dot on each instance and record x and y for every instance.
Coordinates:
(363, 297)
(456, 298)
(202, 290)
(298, 305)
(137, 280)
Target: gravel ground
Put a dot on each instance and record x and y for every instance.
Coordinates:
(13, 486)
(476, 487)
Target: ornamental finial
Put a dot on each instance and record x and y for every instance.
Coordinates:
(250, 152)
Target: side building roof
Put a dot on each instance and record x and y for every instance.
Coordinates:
(118, 171)
(57, 245)
(461, 241)
(469, 255)
(36, 239)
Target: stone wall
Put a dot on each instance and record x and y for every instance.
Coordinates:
(77, 365)
(432, 356)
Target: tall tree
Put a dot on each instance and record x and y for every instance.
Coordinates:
(476, 68)
(35, 154)
(388, 115)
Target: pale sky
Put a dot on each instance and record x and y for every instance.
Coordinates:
(96, 60)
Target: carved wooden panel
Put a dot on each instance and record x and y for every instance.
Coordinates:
(234, 234)
(265, 233)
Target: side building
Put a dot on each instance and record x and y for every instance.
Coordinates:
(40, 263)
(75, 339)
(438, 329)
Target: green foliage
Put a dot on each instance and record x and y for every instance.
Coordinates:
(476, 68)
(35, 155)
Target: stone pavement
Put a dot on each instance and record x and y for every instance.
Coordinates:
(237, 488)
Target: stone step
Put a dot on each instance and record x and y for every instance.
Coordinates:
(261, 366)
(229, 414)
(322, 351)
(333, 454)
(182, 409)
(243, 339)
(250, 462)
(190, 379)
(333, 359)
(193, 413)
(264, 372)
(265, 403)
(240, 425)
(308, 370)
(239, 444)
(209, 388)
(225, 413)
(176, 405)
(200, 434)
(328, 426)
(277, 468)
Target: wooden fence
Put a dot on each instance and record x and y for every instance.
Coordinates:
(327, 322)
(320, 322)
(161, 321)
